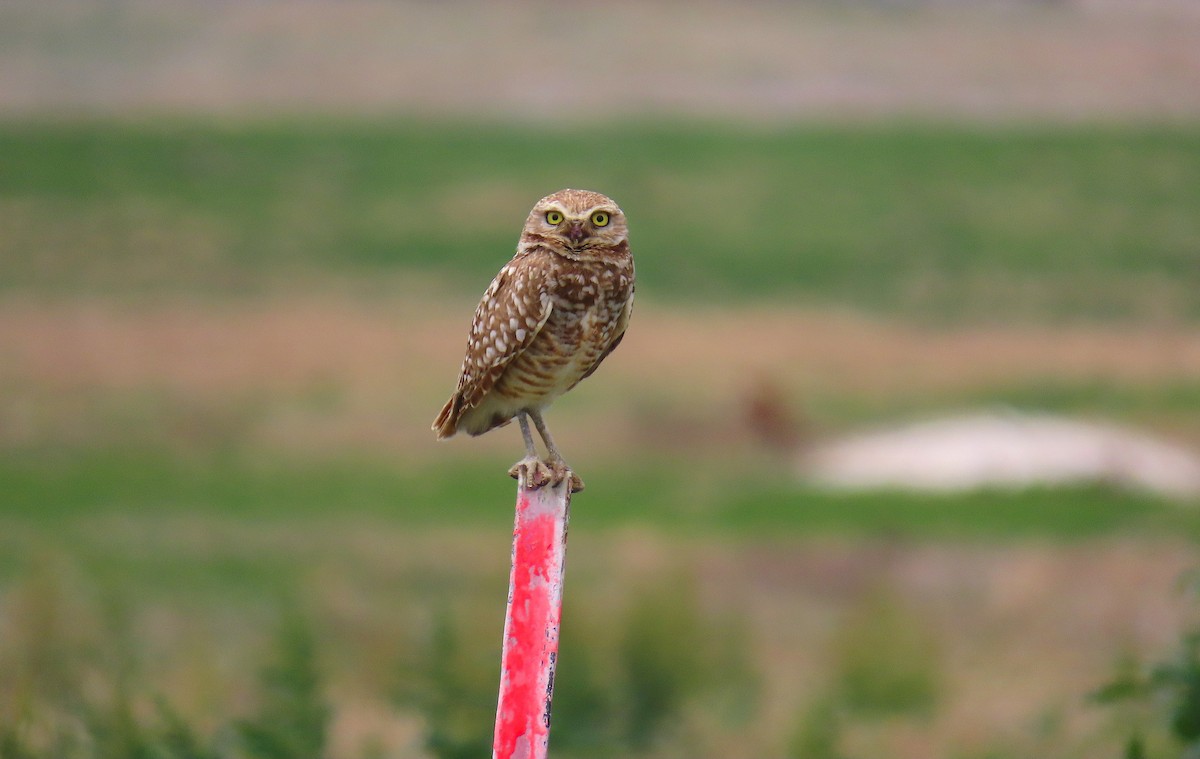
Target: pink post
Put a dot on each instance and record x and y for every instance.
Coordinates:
(531, 623)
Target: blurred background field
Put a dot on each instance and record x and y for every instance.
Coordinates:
(240, 245)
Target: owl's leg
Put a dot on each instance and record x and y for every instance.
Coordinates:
(530, 471)
(557, 465)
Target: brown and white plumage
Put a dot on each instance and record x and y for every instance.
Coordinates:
(547, 320)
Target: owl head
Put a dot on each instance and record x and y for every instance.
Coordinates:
(577, 222)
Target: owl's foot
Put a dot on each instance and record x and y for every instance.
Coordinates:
(563, 473)
(534, 473)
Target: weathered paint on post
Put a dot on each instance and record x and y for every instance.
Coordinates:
(531, 623)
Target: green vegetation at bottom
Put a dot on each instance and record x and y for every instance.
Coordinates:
(141, 587)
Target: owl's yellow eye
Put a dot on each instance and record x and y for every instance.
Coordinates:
(600, 219)
(554, 217)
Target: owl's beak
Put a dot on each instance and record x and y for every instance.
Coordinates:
(576, 233)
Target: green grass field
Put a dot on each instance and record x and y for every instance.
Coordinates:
(936, 222)
(156, 527)
(941, 223)
(749, 501)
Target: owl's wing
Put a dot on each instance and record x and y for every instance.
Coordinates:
(619, 334)
(510, 315)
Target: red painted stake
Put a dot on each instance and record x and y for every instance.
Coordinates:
(531, 623)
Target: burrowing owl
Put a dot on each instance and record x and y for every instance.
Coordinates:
(546, 322)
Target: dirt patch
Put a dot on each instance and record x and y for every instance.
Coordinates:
(1007, 59)
(326, 371)
(280, 344)
(863, 355)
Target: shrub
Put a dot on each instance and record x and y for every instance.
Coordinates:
(1160, 700)
(621, 685)
(293, 719)
(886, 661)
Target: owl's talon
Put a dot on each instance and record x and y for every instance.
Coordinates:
(562, 473)
(532, 473)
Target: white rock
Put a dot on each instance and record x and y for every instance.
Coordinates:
(1002, 450)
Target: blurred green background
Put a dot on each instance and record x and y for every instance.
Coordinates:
(240, 245)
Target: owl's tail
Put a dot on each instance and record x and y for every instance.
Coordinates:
(446, 423)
